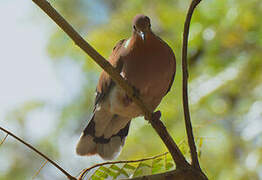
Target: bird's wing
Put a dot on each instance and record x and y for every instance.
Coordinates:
(105, 82)
(173, 57)
(172, 80)
(174, 73)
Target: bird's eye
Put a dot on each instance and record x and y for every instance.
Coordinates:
(134, 27)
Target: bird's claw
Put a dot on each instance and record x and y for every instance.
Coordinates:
(156, 116)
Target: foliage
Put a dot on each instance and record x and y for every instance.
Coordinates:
(134, 169)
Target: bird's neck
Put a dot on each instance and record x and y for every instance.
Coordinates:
(137, 39)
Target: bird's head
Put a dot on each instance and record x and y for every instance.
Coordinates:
(141, 25)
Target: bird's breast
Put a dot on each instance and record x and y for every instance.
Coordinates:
(148, 68)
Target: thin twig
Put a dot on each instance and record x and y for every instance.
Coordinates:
(41, 167)
(114, 74)
(118, 162)
(189, 130)
(4, 139)
(40, 153)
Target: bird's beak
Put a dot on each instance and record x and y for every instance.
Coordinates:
(142, 34)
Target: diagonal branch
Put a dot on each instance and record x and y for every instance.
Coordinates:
(4, 139)
(38, 152)
(39, 170)
(100, 60)
(189, 130)
(178, 174)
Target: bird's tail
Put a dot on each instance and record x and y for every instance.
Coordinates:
(104, 137)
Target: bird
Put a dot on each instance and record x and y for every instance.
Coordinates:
(147, 63)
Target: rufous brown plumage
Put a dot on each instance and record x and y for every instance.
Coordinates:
(148, 64)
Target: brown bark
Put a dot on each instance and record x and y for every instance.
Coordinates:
(188, 124)
(178, 174)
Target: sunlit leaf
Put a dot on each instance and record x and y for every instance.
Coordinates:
(115, 167)
(105, 169)
(169, 164)
(143, 164)
(128, 166)
(101, 174)
(158, 165)
(138, 172)
(142, 169)
(122, 171)
(96, 178)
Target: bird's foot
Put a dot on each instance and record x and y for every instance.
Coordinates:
(156, 116)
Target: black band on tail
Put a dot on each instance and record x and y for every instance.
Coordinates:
(123, 132)
(90, 130)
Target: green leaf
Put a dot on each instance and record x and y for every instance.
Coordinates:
(169, 165)
(155, 161)
(142, 169)
(105, 169)
(114, 171)
(158, 166)
(101, 174)
(114, 167)
(96, 178)
(128, 166)
(122, 171)
(119, 171)
(142, 164)
(137, 173)
(113, 174)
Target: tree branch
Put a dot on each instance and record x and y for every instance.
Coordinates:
(39, 170)
(188, 124)
(178, 174)
(38, 152)
(3, 139)
(100, 60)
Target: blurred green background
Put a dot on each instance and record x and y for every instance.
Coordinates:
(38, 61)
